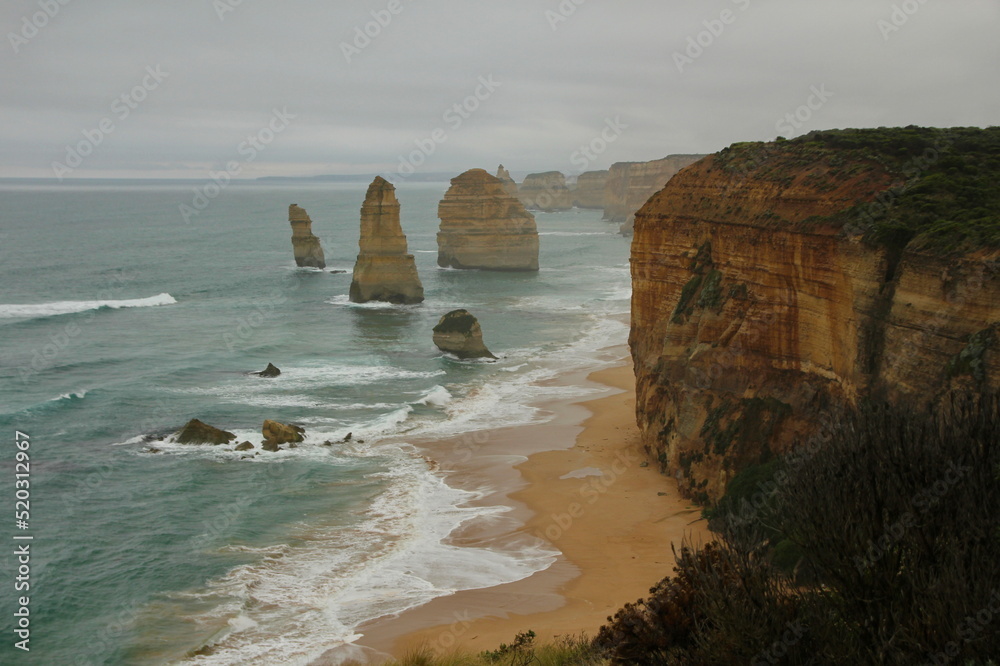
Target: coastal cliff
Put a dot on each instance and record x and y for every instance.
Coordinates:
(305, 246)
(629, 184)
(384, 271)
(484, 227)
(590, 187)
(774, 282)
(545, 192)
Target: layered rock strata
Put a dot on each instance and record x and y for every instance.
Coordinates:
(306, 247)
(629, 184)
(459, 333)
(483, 227)
(384, 271)
(545, 192)
(590, 187)
(759, 308)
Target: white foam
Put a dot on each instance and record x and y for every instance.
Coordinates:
(78, 395)
(294, 608)
(438, 396)
(70, 307)
(345, 301)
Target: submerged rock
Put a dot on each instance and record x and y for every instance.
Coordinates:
(484, 227)
(279, 433)
(384, 271)
(197, 432)
(459, 333)
(306, 246)
(270, 371)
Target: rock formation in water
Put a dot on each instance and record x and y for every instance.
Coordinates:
(589, 192)
(244, 446)
(459, 333)
(630, 184)
(384, 270)
(545, 192)
(768, 290)
(483, 227)
(196, 432)
(270, 371)
(308, 251)
(276, 434)
(508, 182)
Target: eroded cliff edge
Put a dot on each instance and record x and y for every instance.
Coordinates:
(773, 282)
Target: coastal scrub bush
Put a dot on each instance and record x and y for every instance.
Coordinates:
(897, 519)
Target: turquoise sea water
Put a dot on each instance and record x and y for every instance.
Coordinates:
(119, 322)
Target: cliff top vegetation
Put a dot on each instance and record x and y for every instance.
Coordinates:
(944, 195)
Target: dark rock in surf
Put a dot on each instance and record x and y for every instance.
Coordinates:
(269, 371)
(196, 432)
(459, 333)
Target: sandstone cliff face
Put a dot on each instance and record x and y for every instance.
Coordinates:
(545, 192)
(483, 227)
(384, 270)
(508, 182)
(308, 251)
(589, 192)
(630, 184)
(750, 321)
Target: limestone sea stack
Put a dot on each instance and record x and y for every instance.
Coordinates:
(459, 333)
(484, 227)
(630, 184)
(508, 182)
(589, 192)
(546, 192)
(384, 270)
(308, 251)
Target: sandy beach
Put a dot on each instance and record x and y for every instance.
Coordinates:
(583, 484)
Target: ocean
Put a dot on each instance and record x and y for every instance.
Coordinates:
(120, 321)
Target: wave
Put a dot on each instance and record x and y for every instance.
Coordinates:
(438, 396)
(33, 310)
(296, 608)
(345, 301)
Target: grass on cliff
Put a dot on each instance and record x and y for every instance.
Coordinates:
(570, 651)
(945, 194)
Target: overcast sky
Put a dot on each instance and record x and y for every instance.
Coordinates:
(202, 80)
